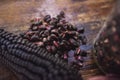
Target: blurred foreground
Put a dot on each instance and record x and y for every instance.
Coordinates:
(15, 17)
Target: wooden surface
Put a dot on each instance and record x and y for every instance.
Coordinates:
(6, 74)
(15, 16)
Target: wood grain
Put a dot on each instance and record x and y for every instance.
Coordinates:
(15, 16)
